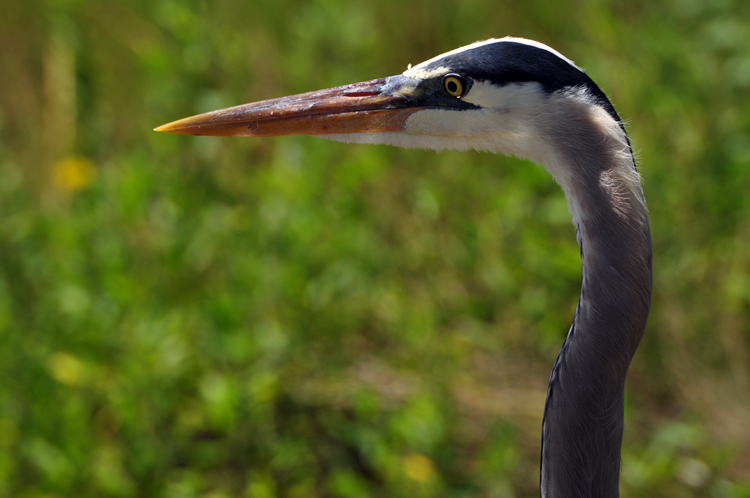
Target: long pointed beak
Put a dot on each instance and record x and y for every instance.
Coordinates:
(372, 106)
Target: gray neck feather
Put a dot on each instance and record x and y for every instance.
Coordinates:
(583, 419)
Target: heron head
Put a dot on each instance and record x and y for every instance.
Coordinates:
(488, 96)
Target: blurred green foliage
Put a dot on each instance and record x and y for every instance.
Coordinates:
(289, 317)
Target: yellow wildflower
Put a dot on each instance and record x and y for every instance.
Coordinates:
(73, 173)
(418, 467)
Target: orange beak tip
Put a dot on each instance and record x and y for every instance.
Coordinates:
(176, 127)
(165, 127)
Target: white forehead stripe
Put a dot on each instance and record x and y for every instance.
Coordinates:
(419, 72)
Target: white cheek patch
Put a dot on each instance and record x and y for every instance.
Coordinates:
(526, 97)
(471, 126)
(480, 129)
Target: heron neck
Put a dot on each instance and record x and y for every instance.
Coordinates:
(583, 419)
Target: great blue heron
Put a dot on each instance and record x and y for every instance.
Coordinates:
(517, 96)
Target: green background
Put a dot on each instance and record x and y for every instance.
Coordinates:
(188, 316)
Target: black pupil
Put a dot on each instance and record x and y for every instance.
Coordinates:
(452, 86)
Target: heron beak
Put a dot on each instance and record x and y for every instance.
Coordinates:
(372, 106)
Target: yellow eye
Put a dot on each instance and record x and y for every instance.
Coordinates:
(453, 85)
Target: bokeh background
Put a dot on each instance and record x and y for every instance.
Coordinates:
(203, 317)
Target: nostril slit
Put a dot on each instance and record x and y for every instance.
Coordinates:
(361, 94)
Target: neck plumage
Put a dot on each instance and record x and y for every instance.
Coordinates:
(583, 418)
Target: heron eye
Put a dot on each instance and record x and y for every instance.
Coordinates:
(453, 85)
